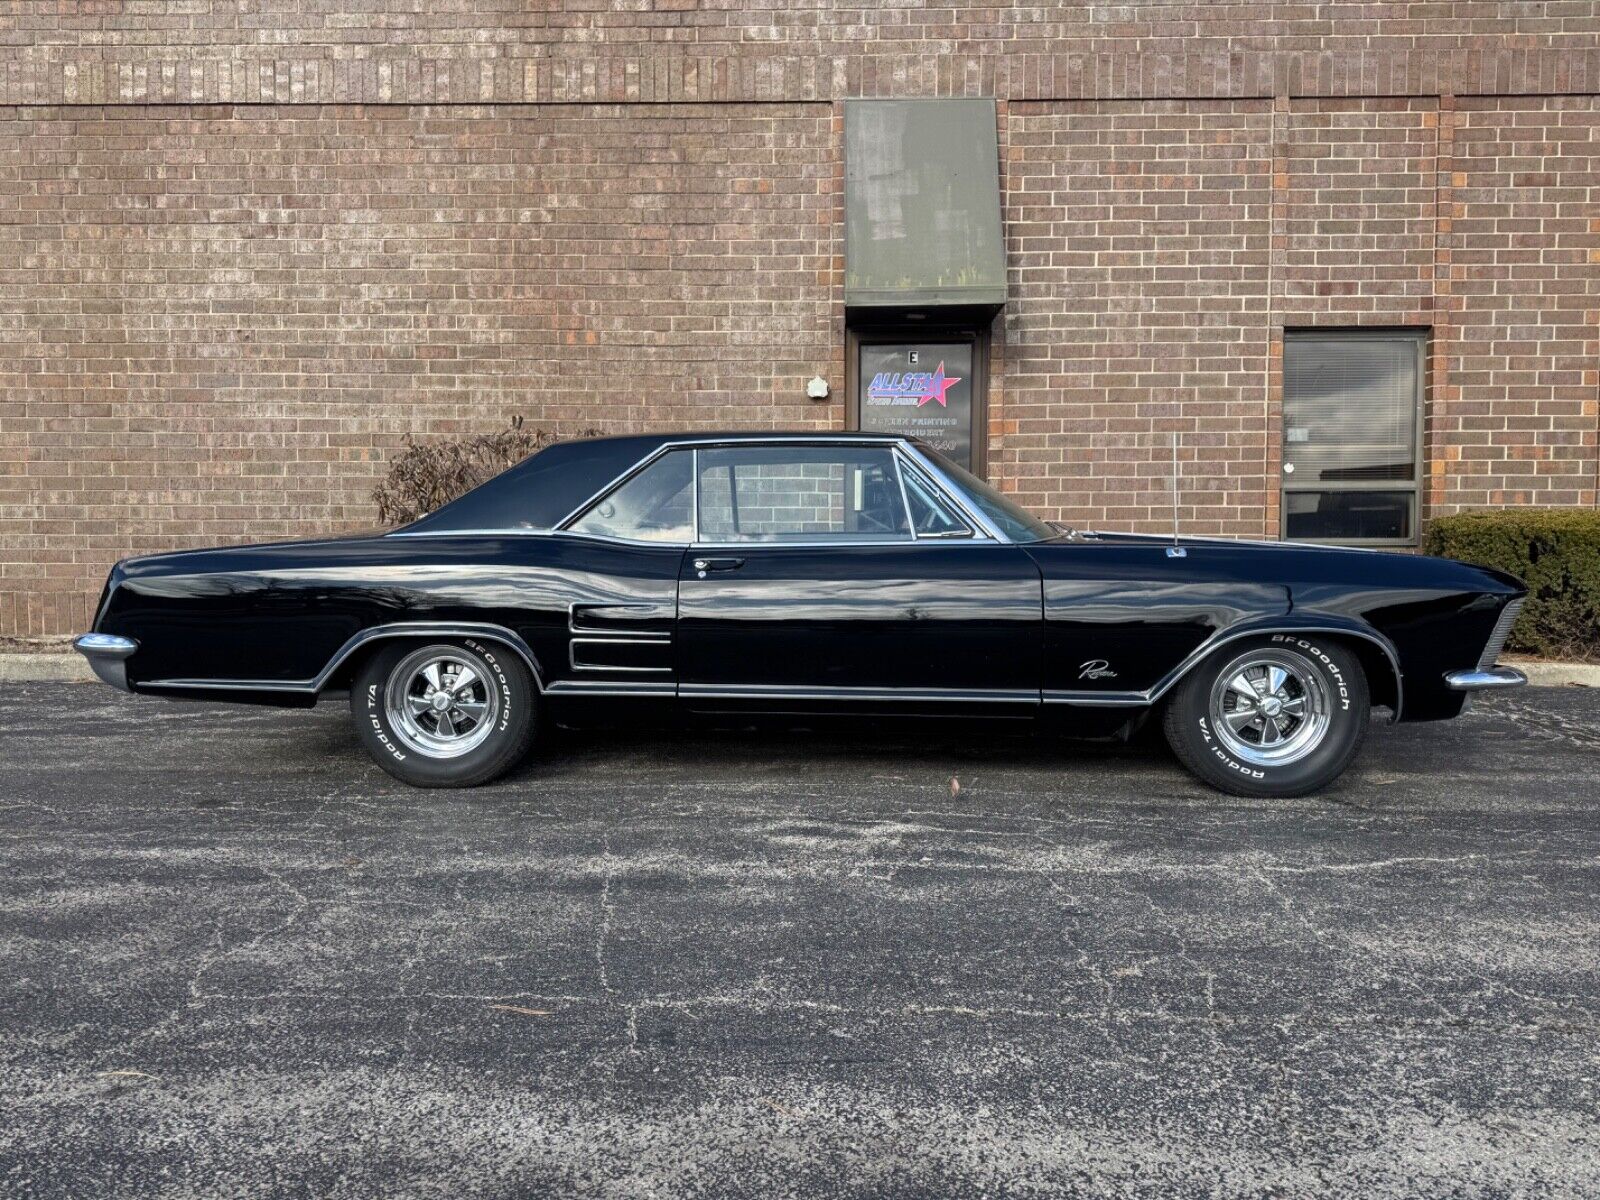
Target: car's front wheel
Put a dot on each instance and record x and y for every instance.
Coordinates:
(1282, 715)
(444, 713)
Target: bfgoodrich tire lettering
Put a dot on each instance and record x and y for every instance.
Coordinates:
(446, 712)
(1281, 715)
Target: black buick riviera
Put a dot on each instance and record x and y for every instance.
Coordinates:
(805, 574)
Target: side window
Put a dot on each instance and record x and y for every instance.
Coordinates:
(931, 515)
(656, 505)
(800, 493)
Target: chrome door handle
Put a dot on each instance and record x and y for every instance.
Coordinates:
(703, 566)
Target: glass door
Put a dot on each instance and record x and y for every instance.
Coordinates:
(929, 389)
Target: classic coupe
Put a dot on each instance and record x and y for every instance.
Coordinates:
(805, 574)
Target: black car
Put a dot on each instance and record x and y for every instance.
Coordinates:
(804, 574)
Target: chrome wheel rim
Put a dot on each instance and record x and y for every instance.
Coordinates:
(1270, 707)
(440, 701)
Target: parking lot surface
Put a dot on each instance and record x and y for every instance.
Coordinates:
(239, 960)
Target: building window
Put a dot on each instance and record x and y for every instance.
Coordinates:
(1352, 436)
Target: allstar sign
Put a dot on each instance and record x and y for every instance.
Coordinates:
(905, 387)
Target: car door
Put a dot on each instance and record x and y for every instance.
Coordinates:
(809, 583)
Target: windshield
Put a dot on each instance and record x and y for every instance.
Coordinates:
(1016, 523)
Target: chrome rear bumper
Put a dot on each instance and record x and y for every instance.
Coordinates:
(107, 655)
(1483, 681)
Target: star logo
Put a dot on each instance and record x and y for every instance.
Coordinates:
(938, 384)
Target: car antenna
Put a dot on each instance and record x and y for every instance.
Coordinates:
(1175, 550)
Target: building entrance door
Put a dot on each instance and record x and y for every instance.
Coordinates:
(930, 389)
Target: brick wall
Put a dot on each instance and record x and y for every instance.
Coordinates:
(1137, 238)
(216, 323)
(244, 249)
(1516, 420)
(1145, 298)
(473, 51)
(1354, 230)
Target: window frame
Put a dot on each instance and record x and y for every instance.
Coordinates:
(1287, 485)
(905, 458)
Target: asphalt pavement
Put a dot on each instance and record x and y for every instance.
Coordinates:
(238, 960)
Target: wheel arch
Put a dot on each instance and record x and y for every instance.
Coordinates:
(341, 668)
(1379, 660)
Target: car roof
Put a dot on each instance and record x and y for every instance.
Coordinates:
(546, 487)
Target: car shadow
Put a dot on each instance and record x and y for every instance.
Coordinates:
(781, 746)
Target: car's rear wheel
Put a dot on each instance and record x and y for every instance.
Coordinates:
(1282, 715)
(444, 713)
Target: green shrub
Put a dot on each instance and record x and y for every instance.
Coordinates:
(426, 475)
(1556, 552)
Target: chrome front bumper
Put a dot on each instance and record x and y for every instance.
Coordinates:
(1483, 681)
(107, 655)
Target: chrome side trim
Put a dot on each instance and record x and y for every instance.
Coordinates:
(830, 544)
(717, 691)
(580, 635)
(108, 656)
(609, 687)
(1098, 699)
(1221, 638)
(645, 611)
(438, 533)
(492, 633)
(1483, 681)
(290, 687)
(536, 533)
(574, 643)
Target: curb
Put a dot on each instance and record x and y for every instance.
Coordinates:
(1558, 674)
(72, 668)
(45, 668)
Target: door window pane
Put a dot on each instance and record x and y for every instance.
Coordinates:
(931, 515)
(656, 505)
(800, 493)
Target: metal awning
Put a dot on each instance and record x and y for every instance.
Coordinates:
(922, 204)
